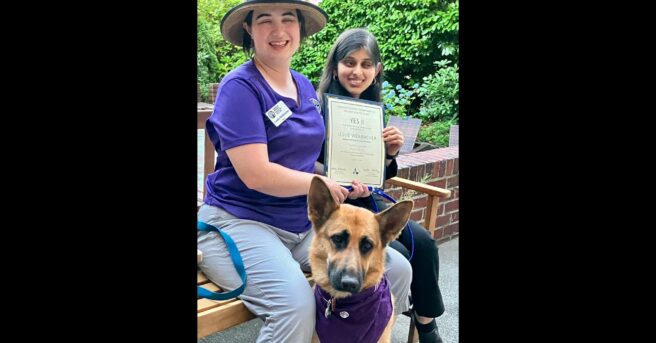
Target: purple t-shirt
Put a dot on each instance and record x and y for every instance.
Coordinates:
(239, 118)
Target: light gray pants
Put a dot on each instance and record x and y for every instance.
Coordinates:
(276, 289)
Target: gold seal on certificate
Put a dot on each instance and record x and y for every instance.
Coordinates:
(354, 141)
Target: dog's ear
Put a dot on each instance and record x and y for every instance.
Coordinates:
(393, 219)
(320, 203)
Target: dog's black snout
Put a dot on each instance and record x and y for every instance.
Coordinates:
(345, 280)
(350, 283)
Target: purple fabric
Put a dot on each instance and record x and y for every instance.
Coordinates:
(239, 118)
(368, 314)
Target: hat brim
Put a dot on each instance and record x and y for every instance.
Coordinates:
(231, 24)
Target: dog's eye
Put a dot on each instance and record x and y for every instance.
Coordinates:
(365, 246)
(340, 240)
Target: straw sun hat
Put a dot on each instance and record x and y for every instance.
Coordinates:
(231, 24)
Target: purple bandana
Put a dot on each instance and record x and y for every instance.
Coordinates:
(360, 318)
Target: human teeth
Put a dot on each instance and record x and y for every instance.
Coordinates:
(278, 43)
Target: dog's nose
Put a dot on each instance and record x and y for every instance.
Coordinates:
(350, 283)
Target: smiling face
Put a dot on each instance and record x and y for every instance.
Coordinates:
(356, 72)
(275, 32)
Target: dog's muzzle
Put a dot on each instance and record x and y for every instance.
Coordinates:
(345, 280)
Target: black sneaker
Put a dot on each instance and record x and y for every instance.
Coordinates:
(432, 336)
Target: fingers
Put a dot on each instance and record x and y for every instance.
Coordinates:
(357, 190)
(393, 139)
(339, 193)
(343, 193)
(364, 189)
(360, 190)
(392, 131)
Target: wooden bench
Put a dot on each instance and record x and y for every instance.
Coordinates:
(215, 316)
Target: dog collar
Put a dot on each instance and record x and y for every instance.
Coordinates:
(361, 317)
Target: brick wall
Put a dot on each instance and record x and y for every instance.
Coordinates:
(438, 167)
(214, 87)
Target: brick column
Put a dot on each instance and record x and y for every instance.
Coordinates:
(214, 88)
(437, 167)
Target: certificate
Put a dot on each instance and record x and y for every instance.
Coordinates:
(354, 140)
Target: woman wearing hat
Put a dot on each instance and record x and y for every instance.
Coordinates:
(267, 130)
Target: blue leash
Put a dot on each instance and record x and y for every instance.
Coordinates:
(236, 260)
(239, 264)
(373, 201)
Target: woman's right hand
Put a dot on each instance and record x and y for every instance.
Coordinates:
(338, 192)
(360, 190)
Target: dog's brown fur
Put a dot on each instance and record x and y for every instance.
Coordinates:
(331, 221)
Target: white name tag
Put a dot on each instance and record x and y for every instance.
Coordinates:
(278, 113)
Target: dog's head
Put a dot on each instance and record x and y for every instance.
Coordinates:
(348, 249)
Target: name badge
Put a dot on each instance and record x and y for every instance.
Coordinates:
(278, 113)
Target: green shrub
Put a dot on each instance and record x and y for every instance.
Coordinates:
(440, 93)
(437, 132)
(206, 61)
(407, 32)
(216, 56)
(398, 99)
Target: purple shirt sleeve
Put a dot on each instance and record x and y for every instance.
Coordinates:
(239, 119)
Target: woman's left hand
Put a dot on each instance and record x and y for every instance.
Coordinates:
(393, 139)
(360, 190)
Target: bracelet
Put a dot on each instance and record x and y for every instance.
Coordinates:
(391, 157)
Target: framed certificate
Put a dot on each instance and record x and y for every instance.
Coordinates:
(354, 140)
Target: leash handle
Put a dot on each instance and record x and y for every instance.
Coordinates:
(236, 260)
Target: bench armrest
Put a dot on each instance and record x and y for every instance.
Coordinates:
(434, 195)
(420, 187)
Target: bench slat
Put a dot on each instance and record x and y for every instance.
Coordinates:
(223, 317)
(212, 287)
(201, 278)
(207, 304)
(215, 316)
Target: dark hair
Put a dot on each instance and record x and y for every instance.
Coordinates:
(348, 42)
(247, 41)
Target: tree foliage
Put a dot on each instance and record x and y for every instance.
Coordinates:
(411, 35)
(418, 40)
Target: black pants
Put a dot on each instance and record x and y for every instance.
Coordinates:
(426, 295)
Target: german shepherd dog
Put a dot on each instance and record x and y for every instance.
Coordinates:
(347, 257)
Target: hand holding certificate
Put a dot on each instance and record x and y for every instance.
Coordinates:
(354, 143)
